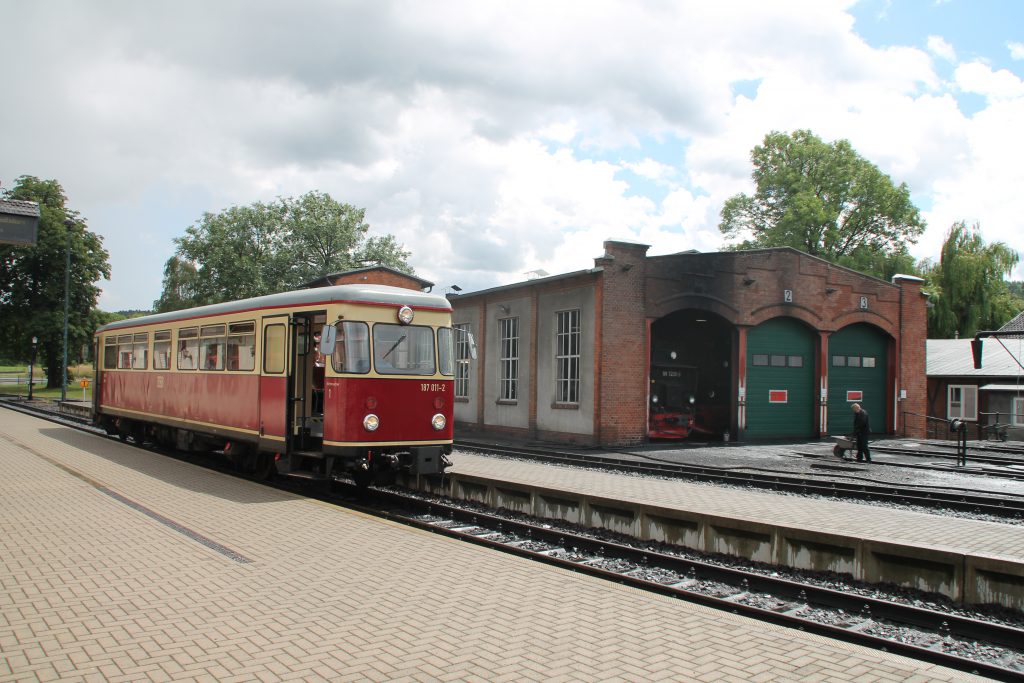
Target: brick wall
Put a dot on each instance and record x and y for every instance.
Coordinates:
(624, 345)
(912, 357)
(378, 277)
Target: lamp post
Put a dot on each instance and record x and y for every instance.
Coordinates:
(31, 366)
(67, 290)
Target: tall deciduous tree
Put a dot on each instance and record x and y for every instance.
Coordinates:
(968, 292)
(826, 200)
(271, 247)
(32, 280)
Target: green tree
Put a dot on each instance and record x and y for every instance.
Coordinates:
(826, 200)
(32, 280)
(271, 247)
(968, 292)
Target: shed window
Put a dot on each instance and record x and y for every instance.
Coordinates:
(962, 402)
(461, 331)
(567, 356)
(778, 361)
(760, 359)
(508, 360)
(839, 361)
(795, 361)
(1018, 411)
(853, 361)
(868, 362)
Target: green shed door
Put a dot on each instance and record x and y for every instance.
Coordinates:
(858, 360)
(780, 380)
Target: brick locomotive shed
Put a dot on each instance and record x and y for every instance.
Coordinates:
(763, 344)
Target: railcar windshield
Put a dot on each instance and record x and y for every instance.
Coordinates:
(351, 348)
(403, 349)
(445, 351)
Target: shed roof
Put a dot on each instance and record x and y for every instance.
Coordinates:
(1015, 325)
(952, 358)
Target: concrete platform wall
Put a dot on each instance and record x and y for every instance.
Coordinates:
(966, 578)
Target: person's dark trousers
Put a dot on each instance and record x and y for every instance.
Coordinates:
(863, 452)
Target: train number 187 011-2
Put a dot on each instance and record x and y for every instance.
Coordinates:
(430, 386)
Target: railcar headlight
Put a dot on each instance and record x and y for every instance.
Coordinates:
(438, 421)
(371, 422)
(405, 315)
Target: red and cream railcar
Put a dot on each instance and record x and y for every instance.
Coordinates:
(350, 380)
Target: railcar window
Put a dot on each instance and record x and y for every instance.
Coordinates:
(188, 348)
(445, 357)
(124, 352)
(140, 351)
(110, 353)
(403, 349)
(162, 350)
(242, 346)
(352, 348)
(462, 357)
(273, 349)
(211, 347)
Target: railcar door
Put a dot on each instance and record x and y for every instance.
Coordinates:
(275, 397)
(305, 383)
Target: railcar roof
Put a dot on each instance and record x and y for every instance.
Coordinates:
(360, 294)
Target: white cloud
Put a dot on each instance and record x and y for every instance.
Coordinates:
(979, 78)
(937, 45)
(490, 138)
(1016, 50)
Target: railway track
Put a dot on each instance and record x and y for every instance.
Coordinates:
(962, 642)
(941, 634)
(1003, 507)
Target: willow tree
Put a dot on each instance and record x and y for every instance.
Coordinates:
(967, 286)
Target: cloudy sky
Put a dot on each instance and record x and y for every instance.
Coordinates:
(497, 138)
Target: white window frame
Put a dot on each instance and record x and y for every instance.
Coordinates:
(567, 357)
(1018, 411)
(955, 409)
(508, 359)
(461, 332)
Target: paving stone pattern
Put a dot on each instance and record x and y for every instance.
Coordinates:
(92, 589)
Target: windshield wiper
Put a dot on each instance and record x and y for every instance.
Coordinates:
(400, 340)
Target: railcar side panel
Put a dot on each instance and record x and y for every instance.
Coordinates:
(273, 406)
(215, 399)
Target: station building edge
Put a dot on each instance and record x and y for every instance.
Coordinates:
(758, 345)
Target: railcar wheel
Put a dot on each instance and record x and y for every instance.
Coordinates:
(362, 478)
(838, 451)
(262, 466)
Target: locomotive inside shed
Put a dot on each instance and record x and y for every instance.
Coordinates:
(691, 376)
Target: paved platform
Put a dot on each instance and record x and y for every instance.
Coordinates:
(967, 560)
(119, 564)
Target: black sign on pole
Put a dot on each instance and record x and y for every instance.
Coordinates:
(19, 222)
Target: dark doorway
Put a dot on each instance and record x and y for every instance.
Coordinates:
(691, 376)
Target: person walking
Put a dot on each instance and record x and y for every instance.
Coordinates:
(861, 430)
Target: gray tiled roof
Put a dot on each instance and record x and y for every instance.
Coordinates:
(952, 358)
(19, 207)
(1015, 325)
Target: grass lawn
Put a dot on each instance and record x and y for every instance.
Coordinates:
(19, 387)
